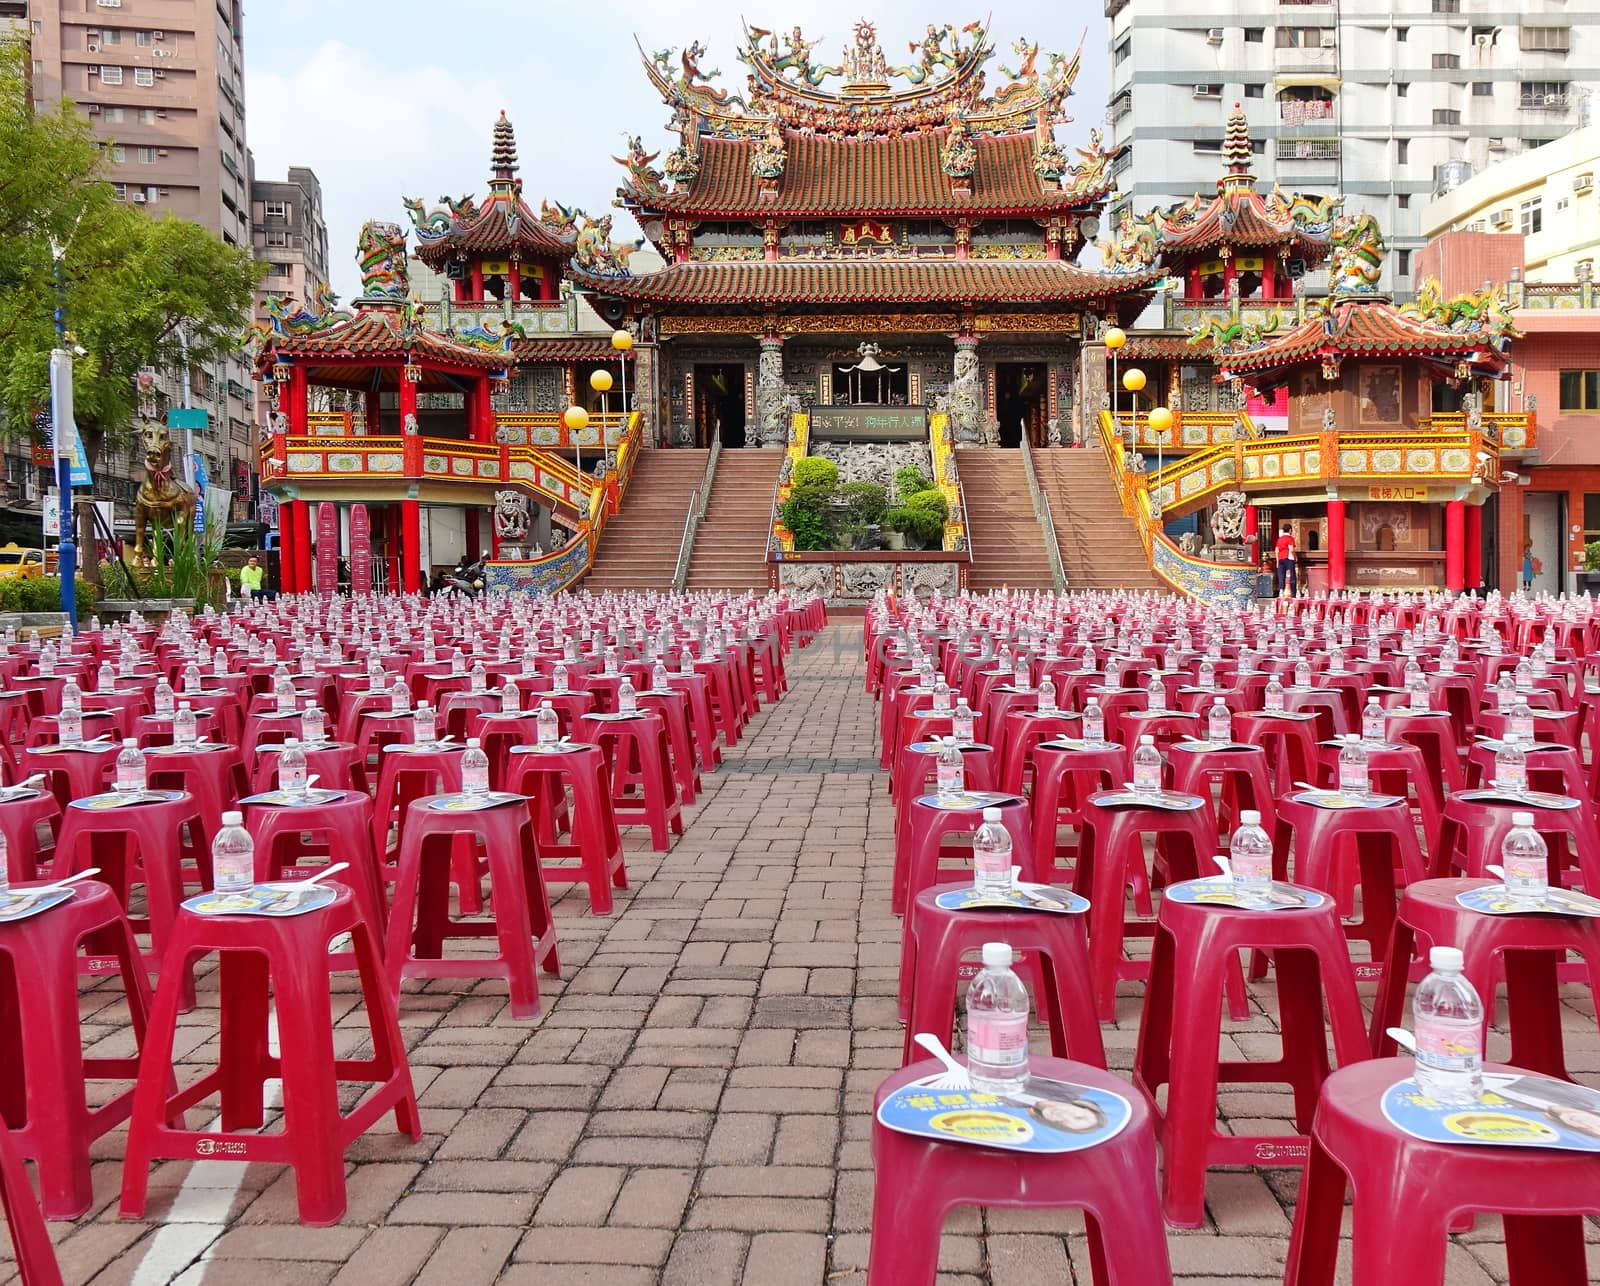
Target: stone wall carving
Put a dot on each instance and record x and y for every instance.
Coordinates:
(966, 393)
(875, 461)
(771, 394)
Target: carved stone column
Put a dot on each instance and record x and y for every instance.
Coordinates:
(771, 430)
(966, 392)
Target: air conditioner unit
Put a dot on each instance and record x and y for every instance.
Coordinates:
(159, 35)
(161, 113)
(1214, 35)
(161, 53)
(161, 151)
(1483, 42)
(93, 109)
(138, 198)
(1583, 183)
(160, 75)
(92, 48)
(1497, 145)
(1207, 91)
(1501, 218)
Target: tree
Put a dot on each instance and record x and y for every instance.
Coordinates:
(137, 289)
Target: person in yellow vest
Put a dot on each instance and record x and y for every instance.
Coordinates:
(253, 580)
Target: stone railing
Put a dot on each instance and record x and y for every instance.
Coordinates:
(1043, 516)
(696, 515)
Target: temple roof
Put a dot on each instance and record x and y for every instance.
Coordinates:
(503, 225)
(1238, 217)
(886, 281)
(566, 349)
(369, 335)
(1365, 327)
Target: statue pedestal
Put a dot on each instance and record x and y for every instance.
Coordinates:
(1230, 552)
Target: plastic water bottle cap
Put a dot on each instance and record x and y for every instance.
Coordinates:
(473, 743)
(1448, 959)
(130, 743)
(1511, 738)
(1249, 817)
(232, 818)
(991, 814)
(997, 955)
(1147, 740)
(291, 741)
(1522, 819)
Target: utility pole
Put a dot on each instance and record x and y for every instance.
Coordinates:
(61, 425)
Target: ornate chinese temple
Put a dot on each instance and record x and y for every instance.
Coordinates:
(836, 205)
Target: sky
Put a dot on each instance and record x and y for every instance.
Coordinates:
(392, 98)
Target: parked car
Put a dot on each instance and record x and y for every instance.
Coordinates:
(17, 561)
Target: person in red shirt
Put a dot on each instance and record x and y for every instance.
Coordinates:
(1288, 570)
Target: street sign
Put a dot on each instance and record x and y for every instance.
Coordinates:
(61, 399)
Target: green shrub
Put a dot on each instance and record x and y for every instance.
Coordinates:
(910, 480)
(924, 526)
(929, 501)
(867, 501)
(42, 594)
(808, 518)
(1591, 556)
(183, 565)
(813, 473)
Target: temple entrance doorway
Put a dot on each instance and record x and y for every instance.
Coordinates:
(1021, 402)
(719, 405)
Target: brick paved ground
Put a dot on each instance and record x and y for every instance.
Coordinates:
(694, 1105)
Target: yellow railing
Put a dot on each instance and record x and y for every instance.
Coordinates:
(799, 444)
(943, 450)
(1514, 430)
(1190, 431)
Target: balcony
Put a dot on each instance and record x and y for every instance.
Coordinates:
(1542, 101)
(1307, 149)
(1295, 111)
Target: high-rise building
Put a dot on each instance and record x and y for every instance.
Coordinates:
(162, 84)
(288, 233)
(1382, 102)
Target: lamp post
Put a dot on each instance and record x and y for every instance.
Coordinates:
(600, 381)
(577, 420)
(622, 344)
(1133, 380)
(1160, 421)
(61, 425)
(1115, 338)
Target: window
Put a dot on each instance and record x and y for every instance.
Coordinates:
(1400, 34)
(1402, 149)
(1531, 216)
(1308, 149)
(152, 192)
(143, 39)
(1446, 62)
(108, 4)
(1255, 91)
(1447, 6)
(1402, 263)
(1119, 54)
(111, 36)
(111, 115)
(1580, 390)
(1255, 35)
(277, 209)
(1121, 104)
(1446, 116)
(1402, 201)
(119, 154)
(147, 115)
(1544, 93)
(1301, 38)
(1402, 88)
(121, 191)
(147, 156)
(1483, 89)
(144, 76)
(1552, 40)
(277, 237)
(110, 75)
(1208, 147)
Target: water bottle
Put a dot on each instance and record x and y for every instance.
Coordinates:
(105, 678)
(1511, 764)
(313, 723)
(1156, 694)
(941, 697)
(5, 863)
(1302, 673)
(950, 774)
(610, 660)
(1250, 859)
(510, 697)
(997, 1025)
(559, 678)
(1373, 728)
(1021, 673)
(1354, 778)
(961, 724)
(1448, 1020)
(458, 664)
(1219, 723)
(1336, 660)
(659, 682)
(1274, 694)
(1505, 691)
(292, 769)
(1521, 721)
(233, 856)
(627, 698)
(1208, 674)
(69, 726)
(991, 854)
(1147, 767)
(424, 725)
(1525, 860)
(165, 698)
(219, 663)
(1523, 680)
(399, 696)
(130, 768)
(1413, 672)
(474, 769)
(548, 724)
(185, 731)
(479, 681)
(1418, 696)
(1047, 696)
(1094, 723)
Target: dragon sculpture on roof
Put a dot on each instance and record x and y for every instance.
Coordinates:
(1483, 313)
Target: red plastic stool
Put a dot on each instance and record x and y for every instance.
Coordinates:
(42, 1078)
(406, 774)
(593, 839)
(32, 1249)
(1408, 1193)
(702, 721)
(1431, 732)
(1289, 740)
(1381, 840)
(339, 830)
(725, 705)
(72, 772)
(926, 828)
(332, 762)
(1394, 768)
(289, 954)
(919, 768)
(1196, 948)
(1529, 950)
(1063, 780)
(1242, 771)
(673, 707)
(213, 774)
(43, 731)
(1473, 830)
(919, 1181)
(636, 755)
(1050, 946)
(1022, 732)
(419, 920)
(1110, 857)
(20, 819)
(497, 732)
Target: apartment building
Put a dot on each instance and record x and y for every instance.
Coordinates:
(1376, 101)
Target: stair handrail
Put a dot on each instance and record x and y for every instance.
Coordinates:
(1043, 516)
(699, 501)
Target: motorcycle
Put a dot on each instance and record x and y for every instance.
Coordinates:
(463, 582)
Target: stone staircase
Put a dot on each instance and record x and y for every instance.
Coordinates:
(1007, 545)
(1099, 546)
(730, 549)
(639, 548)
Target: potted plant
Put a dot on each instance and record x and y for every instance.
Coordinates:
(920, 518)
(865, 504)
(808, 512)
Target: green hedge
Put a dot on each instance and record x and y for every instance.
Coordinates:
(42, 594)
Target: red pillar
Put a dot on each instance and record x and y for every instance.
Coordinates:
(374, 412)
(1336, 573)
(1474, 546)
(410, 546)
(477, 282)
(473, 534)
(1455, 545)
(411, 442)
(286, 555)
(548, 287)
(1252, 530)
(461, 290)
(514, 285)
(302, 546)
